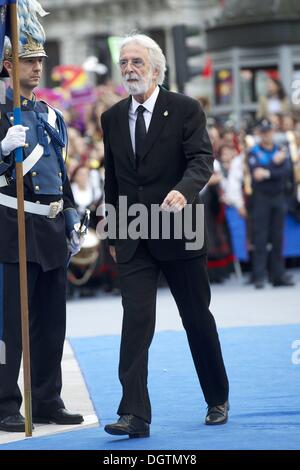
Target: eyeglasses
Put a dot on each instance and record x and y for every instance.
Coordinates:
(137, 63)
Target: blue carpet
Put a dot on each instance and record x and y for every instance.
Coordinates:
(264, 397)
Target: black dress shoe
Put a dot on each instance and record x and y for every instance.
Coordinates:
(286, 281)
(60, 416)
(217, 414)
(13, 423)
(129, 425)
(259, 284)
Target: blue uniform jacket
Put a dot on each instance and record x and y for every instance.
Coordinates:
(46, 182)
(259, 157)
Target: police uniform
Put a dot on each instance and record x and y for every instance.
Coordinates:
(268, 213)
(50, 217)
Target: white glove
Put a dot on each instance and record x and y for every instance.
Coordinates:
(75, 242)
(15, 137)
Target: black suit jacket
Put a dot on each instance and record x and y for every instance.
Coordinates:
(177, 155)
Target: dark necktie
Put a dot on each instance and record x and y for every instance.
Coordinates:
(140, 133)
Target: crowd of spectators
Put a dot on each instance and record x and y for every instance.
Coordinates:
(230, 185)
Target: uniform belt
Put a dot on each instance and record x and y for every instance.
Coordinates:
(50, 211)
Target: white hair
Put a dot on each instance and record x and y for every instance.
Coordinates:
(156, 56)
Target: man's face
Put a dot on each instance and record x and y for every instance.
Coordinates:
(267, 137)
(137, 73)
(30, 72)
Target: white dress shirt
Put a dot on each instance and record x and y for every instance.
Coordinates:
(149, 106)
(232, 184)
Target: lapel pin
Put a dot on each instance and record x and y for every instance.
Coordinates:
(166, 113)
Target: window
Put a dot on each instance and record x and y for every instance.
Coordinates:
(223, 87)
(253, 82)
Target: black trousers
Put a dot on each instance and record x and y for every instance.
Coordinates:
(188, 282)
(268, 218)
(47, 323)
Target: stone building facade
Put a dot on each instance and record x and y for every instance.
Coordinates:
(76, 29)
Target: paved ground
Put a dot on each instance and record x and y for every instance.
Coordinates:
(76, 397)
(233, 304)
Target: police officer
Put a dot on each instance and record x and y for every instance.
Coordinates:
(269, 167)
(50, 218)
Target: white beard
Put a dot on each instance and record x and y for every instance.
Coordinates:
(140, 87)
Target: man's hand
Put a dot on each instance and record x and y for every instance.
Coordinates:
(75, 242)
(174, 202)
(15, 137)
(279, 157)
(215, 178)
(260, 174)
(112, 251)
(243, 212)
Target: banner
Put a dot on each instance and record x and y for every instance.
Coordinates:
(238, 233)
(3, 23)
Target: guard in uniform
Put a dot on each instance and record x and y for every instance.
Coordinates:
(269, 167)
(50, 217)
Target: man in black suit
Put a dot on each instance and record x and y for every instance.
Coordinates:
(157, 152)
